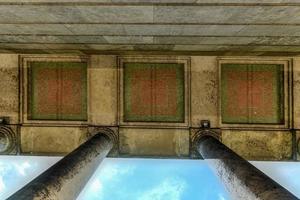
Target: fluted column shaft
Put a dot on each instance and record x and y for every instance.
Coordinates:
(66, 179)
(242, 179)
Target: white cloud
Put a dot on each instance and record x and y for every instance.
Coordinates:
(96, 186)
(113, 172)
(2, 185)
(221, 197)
(106, 175)
(169, 189)
(21, 168)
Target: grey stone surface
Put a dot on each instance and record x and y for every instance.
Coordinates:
(76, 14)
(152, 1)
(110, 47)
(124, 30)
(226, 14)
(148, 14)
(242, 180)
(138, 23)
(269, 30)
(157, 40)
(183, 29)
(129, 39)
(204, 40)
(122, 48)
(96, 29)
(66, 178)
(49, 29)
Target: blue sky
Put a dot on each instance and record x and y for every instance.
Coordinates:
(143, 179)
(149, 179)
(16, 171)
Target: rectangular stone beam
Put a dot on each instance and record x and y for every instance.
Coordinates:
(159, 14)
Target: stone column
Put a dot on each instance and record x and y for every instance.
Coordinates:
(242, 180)
(66, 179)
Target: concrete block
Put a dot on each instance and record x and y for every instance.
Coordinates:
(154, 142)
(102, 77)
(129, 39)
(56, 13)
(259, 145)
(9, 92)
(51, 140)
(203, 40)
(96, 29)
(204, 90)
(296, 89)
(47, 29)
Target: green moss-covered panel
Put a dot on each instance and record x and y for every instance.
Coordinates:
(153, 92)
(252, 93)
(57, 91)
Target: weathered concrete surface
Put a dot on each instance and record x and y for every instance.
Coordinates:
(216, 26)
(155, 49)
(67, 178)
(155, 2)
(151, 2)
(154, 142)
(224, 30)
(149, 14)
(151, 40)
(204, 90)
(263, 31)
(9, 92)
(51, 140)
(242, 180)
(259, 145)
(296, 90)
(102, 78)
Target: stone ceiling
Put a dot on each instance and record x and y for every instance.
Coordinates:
(211, 27)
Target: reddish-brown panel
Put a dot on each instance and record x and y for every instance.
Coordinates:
(57, 91)
(252, 93)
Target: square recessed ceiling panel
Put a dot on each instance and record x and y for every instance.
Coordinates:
(57, 91)
(154, 91)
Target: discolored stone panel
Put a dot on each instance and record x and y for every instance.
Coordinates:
(9, 92)
(259, 145)
(154, 142)
(51, 140)
(252, 93)
(296, 91)
(102, 78)
(154, 92)
(57, 91)
(204, 90)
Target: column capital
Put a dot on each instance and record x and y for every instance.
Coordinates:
(111, 132)
(197, 134)
(8, 140)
